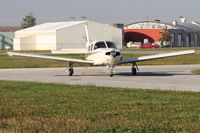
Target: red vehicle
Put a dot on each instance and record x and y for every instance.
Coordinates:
(149, 45)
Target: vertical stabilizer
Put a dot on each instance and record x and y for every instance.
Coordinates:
(87, 35)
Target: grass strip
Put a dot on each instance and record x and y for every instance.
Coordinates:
(20, 62)
(196, 71)
(40, 107)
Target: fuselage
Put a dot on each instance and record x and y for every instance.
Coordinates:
(103, 53)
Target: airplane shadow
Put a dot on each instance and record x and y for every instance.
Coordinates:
(168, 73)
(130, 74)
(81, 75)
(144, 74)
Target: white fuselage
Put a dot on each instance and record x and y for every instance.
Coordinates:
(104, 56)
(103, 53)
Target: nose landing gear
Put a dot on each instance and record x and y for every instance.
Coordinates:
(111, 74)
(110, 68)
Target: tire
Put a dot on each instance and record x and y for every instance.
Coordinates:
(134, 71)
(111, 74)
(71, 71)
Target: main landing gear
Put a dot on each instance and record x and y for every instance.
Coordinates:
(134, 69)
(70, 70)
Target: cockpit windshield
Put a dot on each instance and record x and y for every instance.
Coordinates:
(100, 45)
(110, 44)
(104, 44)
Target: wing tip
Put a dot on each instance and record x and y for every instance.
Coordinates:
(194, 51)
(191, 51)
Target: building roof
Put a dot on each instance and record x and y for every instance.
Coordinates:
(9, 28)
(51, 26)
(189, 27)
(149, 25)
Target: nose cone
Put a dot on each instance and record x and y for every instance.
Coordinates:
(113, 53)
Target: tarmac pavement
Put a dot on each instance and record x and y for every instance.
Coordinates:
(165, 77)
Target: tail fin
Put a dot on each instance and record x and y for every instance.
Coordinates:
(87, 35)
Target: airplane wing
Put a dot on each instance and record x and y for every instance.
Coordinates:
(50, 57)
(158, 56)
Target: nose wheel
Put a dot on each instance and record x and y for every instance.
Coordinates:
(111, 74)
(110, 70)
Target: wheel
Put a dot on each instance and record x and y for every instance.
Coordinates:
(134, 71)
(111, 74)
(71, 71)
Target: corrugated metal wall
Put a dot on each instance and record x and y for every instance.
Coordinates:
(74, 37)
(35, 41)
(99, 31)
(71, 37)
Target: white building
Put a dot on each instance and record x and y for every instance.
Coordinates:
(65, 36)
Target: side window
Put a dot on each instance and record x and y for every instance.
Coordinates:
(95, 46)
(100, 45)
(110, 44)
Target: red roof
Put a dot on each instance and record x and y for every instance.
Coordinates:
(9, 28)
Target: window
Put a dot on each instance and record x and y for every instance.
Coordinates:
(110, 44)
(100, 45)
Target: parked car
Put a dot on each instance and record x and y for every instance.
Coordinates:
(149, 45)
(133, 45)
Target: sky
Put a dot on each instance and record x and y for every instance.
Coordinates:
(104, 11)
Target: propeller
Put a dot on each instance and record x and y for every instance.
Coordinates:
(113, 53)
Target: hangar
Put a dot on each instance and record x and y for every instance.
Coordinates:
(61, 36)
(183, 33)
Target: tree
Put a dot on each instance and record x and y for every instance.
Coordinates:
(28, 21)
(165, 35)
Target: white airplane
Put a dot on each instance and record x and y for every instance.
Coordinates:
(103, 53)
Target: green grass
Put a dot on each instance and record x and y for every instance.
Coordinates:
(178, 60)
(19, 62)
(162, 49)
(22, 62)
(196, 71)
(37, 107)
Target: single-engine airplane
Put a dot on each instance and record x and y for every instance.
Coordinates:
(103, 53)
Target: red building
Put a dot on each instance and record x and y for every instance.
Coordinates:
(138, 35)
(183, 33)
(137, 32)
